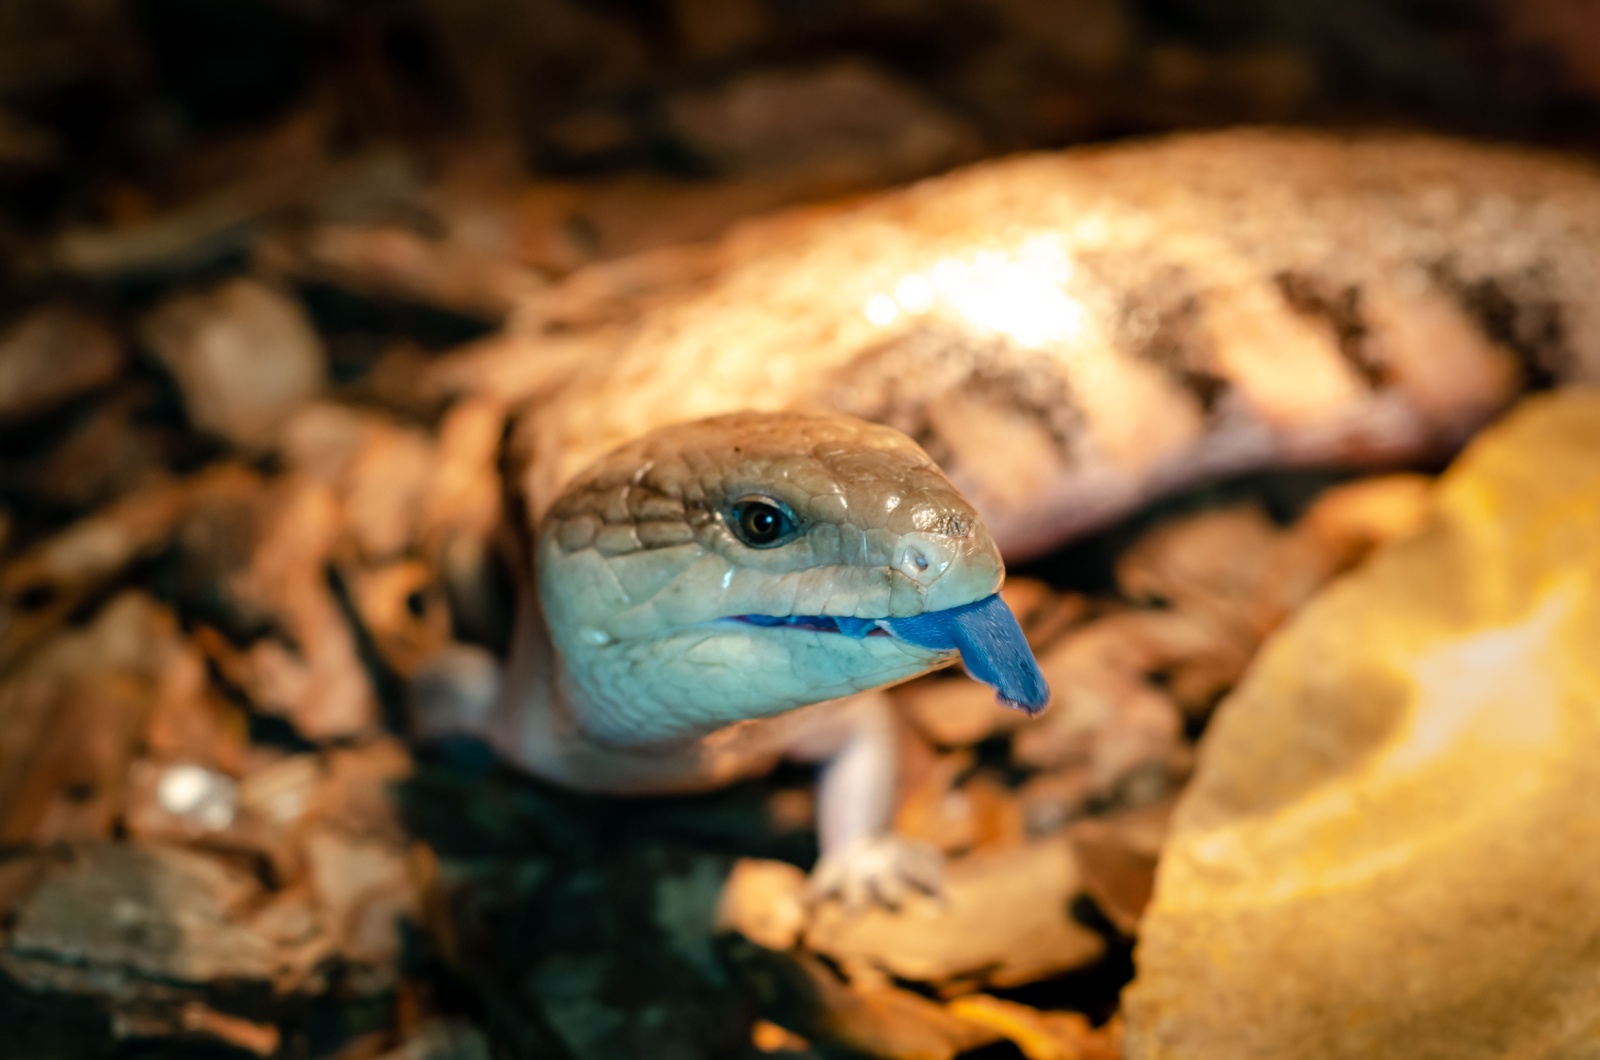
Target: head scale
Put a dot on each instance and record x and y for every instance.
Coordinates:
(739, 567)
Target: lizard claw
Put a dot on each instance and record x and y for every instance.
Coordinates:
(877, 870)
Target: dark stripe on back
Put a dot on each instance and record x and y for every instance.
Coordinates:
(897, 381)
(1339, 306)
(1158, 315)
(1516, 312)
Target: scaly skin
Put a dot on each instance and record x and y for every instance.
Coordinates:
(1069, 335)
(639, 572)
(634, 673)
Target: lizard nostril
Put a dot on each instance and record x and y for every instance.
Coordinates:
(916, 562)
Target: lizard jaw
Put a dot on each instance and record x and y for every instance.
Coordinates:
(985, 632)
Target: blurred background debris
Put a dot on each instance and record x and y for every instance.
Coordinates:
(272, 272)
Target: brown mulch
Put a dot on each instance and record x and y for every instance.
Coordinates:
(254, 372)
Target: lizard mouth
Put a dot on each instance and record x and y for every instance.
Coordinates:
(993, 649)
(850, 627)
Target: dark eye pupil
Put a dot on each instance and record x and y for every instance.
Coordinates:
(760, 523)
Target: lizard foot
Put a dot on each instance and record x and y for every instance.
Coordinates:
(877, 870)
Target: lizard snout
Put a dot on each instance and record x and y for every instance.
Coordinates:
(949, 569)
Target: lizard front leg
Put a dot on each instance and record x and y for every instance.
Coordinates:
(862, 861)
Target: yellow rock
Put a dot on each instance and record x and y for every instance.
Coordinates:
(1392, 845)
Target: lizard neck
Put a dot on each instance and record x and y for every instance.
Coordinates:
(537, 726)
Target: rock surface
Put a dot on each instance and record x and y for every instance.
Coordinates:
(1392, 845)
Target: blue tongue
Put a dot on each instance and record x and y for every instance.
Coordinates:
(993, 649)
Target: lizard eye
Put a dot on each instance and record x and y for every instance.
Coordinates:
(760, 522)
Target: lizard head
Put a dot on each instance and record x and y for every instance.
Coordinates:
(746, 565)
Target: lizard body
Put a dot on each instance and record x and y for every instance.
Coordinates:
(1067, 335)
(1070, 334)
